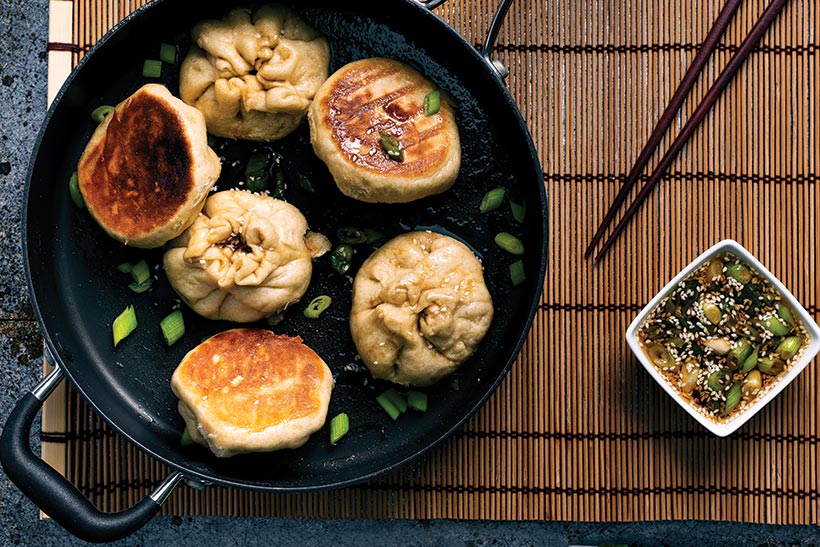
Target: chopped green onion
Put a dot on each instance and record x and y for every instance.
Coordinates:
(773, 325)
(388, 406)
(186, 439)
(492, 200)
(739, 354)
(125, 267)
(339, 426)
(396, 399)
(711, 311)
(716, 380)
(517, 275)
(733, 396)
(750, 362)
(152, 68)
(168, 53)
(518, 211)
(74, 190)
(140, 288)
(317, 306)
(788, 347)
(432, 103)
(124, 324)
(772, 367)
(391, 146)
(351, 235)
(340, 258)
(785, 314)
(140, 272)
(739, 272)
(173, 327)
(99, 113)
(417, 400)
(509, 243)
(305, 183)
(256, 172)
(280, 183)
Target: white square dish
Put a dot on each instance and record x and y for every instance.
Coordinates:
(740, 417)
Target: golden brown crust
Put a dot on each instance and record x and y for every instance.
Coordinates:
(143, 169)
(253, 390)
(370, 96)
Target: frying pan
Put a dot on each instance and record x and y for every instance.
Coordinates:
(76, 290)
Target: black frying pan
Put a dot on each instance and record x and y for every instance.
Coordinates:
(76, 290)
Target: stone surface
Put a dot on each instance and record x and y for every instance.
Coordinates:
(23, 32)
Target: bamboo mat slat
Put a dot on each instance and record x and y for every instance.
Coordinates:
(578, 431)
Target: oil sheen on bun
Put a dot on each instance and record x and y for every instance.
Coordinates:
(251, 390)
(369, 97)
(147, 168)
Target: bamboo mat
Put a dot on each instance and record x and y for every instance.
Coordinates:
(578, 431)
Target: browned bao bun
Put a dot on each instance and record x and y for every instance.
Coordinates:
(420, 308)
(250, 390)
(370, 96)
(147, 169)
(253, 74)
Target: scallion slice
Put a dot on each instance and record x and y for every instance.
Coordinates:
(391, 146)
(340, 258)
(339, 426)
(785, 314)
(256, 172)
(388, 406)
(518, 211)
(74, 190)
(733, 397)
(99, 113)
(124, 324)
(317, 306)
(168, 53)
(172, 327)
(152, 68)
(186, 439)
(140, 272)
(125, 267)
(280, 183)
(492, 200)
(517, 275)
(509, 243)
(432, 103)
(140, 288)
(351, 235)
(396, 399)
(417, 400)
(305, 183)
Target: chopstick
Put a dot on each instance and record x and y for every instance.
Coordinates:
(668, 116)
(711, 97)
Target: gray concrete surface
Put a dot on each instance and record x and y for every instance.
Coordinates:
(23, 32)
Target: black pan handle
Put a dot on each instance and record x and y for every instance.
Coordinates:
(492, 34)
(52, 492)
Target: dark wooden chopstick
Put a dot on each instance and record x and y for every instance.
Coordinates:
(711, 97)
(668, 116)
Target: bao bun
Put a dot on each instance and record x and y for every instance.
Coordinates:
(250, 390)
(371, 96)
(147, 169)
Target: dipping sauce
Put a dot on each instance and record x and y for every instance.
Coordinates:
(722, 337)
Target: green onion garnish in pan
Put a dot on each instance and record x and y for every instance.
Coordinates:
(152, 68)
(186, 439)
(140, 272)
(305, 183)
(74, 190)
(339, 426)
(124, 324)
(256, 172)
(351, 235)
(125, 267)
(168, 53)
(432, 103)
(509, 243)
(517, 273)
(388, 406)
(99, 113)
(340, 258)
(391, 146)
(492, 200)
(172, 327)
(517, 211)
(417, 400)
(280, 183)
(140, 288)
(396, 399)
(317, 306)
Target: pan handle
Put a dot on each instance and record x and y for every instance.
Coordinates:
(52, 492)
(492, 34)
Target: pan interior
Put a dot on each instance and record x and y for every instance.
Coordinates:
(78, 291)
